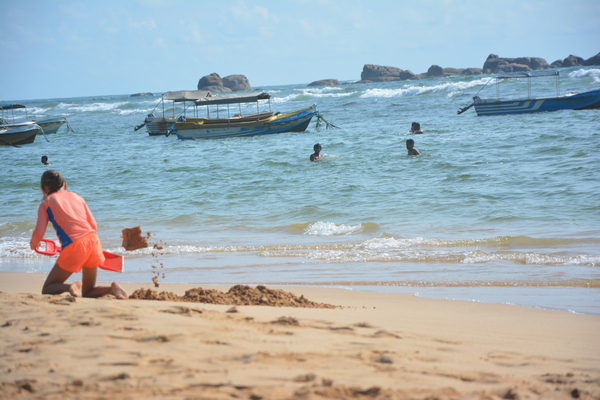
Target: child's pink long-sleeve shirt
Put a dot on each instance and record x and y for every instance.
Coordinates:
(69, 215)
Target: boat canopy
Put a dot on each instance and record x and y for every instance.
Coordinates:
(11, 106)
(185, 95)
(527, 74)
(233, 99)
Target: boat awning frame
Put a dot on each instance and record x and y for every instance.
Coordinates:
(527, 74)
(185, 95)
(233, 99)
(11, 106)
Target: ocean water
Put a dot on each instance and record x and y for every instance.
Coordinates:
(501, 209)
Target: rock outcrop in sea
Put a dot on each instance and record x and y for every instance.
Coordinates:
(230, 83)
(142, 94)
(379, 73)
(325, 82)
(493, 64)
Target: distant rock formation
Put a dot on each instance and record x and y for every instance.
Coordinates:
(574, 61)
(236, 83)
(380, 73)
(495, 64)
(230, 83)
(372, 72)
(325, 82)
(407, 75)
(472, 71)
(435, 70)
(595, 60)
(212, 83)
(142, 94)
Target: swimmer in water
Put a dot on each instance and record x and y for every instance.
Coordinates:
(416, 128)
(316, 156)
(410, 145)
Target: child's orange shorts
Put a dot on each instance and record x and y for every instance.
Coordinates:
(85, 252)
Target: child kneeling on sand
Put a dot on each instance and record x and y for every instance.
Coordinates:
(76, 230)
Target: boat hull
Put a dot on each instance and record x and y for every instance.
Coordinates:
(581, 101)
(296, 121)
(51, 125)
(159, 126)
(15, 135)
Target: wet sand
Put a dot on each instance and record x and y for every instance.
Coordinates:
(367, 346)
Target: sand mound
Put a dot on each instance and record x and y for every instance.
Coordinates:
(238, 295)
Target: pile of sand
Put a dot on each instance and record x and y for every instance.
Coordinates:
(238, 295)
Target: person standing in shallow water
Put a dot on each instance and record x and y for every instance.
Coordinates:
(316, 156)
(410, 145)
(76, 229)
(45, 160)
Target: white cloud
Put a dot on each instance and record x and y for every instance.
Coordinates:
(261, 11)
(316, 29)
(149, 25)
(242, 11)
(160, 42)
(193, 34)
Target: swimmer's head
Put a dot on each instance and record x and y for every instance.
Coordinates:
(317, 147)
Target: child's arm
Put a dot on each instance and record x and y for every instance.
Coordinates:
(40, 228)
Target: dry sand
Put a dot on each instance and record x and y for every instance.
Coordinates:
(370, 346)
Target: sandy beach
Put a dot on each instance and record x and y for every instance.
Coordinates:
(369, 346)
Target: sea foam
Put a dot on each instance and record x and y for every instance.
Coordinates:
(451, 87)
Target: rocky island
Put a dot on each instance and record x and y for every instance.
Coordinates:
(493, 64)
(231, 83)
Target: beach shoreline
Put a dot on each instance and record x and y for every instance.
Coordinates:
(371, 345)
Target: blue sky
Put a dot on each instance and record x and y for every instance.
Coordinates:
(69, 48)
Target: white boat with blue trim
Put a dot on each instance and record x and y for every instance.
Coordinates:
(569, 101)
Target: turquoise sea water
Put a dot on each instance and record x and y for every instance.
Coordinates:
(497, 209)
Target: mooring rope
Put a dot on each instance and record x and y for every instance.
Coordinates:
(328, 125)
(462, 110)
(69, 126)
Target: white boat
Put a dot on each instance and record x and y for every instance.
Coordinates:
(13, 135)
(48, 125)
